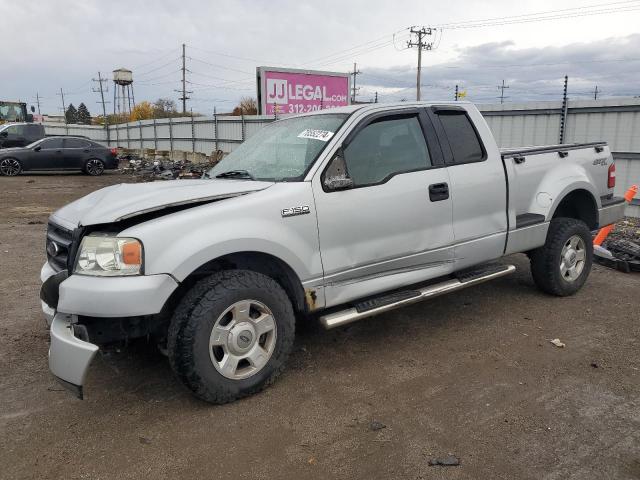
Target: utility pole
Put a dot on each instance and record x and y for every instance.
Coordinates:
(64, 111)
(375, 100)
(38, 102)
(100, 81)
(422, 45)
(456, 96)
(565, 110)
(502, 87)
(595, 94)
(355, 73)
(184, 91)
(64, 107)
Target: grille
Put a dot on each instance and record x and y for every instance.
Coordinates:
(58, 246)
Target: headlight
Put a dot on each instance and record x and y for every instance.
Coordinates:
(109, 256)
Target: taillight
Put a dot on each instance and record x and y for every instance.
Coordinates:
(114, 152)
(611, 176)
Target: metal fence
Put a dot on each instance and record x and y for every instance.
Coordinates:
(615, 121)
(191, 134)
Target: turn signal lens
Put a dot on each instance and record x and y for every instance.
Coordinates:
(132, 253)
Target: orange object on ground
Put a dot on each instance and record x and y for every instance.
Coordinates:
(605, 231)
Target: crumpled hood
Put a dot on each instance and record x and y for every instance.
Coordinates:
(126, 200)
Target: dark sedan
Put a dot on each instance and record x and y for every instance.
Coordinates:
(59, 153)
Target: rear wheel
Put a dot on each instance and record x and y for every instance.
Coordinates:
(94, 167)
(231, 335)
(562, 265)
(10, 167)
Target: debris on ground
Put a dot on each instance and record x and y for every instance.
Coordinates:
(375, 425)
(558, 343)
(448, 461)
(158, 165)
(621, 250)
(595, 365)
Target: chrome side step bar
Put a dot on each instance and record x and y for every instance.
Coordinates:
(353, 314)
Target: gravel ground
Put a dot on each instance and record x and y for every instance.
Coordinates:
(473, 375)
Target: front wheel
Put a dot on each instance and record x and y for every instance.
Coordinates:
(94, 167)
(561, 266)
(231, 335)
(10, 167)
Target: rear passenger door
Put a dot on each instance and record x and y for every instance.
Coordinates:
(477, 186)
(76, 152)
(385, 230)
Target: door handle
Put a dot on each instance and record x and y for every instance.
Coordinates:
(438, 192)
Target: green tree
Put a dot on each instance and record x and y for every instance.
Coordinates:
(83, 116)
(71, 114)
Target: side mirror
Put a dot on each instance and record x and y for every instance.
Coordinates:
(37, 149)
(336, 177)
(4, 134)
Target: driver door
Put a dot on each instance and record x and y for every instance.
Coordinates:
(386, 220)
(49, 155)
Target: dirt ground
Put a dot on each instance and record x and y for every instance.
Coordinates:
(472, 374)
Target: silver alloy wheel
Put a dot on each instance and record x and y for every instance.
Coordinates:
(10, 167)
(242, 339)
(95, 167)
(572, 258)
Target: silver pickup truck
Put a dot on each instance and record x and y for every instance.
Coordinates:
(333, 216)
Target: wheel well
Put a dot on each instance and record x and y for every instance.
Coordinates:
(581, 205)
(264, 263)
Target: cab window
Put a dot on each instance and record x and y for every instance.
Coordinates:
(384, 148)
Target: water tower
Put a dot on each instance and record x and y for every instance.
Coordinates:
(123, 99)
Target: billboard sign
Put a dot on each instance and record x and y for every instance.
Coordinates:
(288, 91)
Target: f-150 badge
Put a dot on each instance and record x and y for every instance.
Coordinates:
(299, 210)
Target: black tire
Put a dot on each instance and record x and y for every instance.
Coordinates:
(10, 167)
(94, 167)
(192, 323)
(546, 260)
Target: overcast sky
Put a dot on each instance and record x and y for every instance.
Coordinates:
(49, 45)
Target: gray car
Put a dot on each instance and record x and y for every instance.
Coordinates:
(59, 153)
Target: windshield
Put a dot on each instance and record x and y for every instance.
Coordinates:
(281, 151)
(12, 112)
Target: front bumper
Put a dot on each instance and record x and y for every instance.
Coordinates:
(69, 357)
(108, 297)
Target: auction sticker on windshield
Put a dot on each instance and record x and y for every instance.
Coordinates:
(322, 135)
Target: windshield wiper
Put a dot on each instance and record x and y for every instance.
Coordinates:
(235, 174)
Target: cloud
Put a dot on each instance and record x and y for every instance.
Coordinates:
(531, 73)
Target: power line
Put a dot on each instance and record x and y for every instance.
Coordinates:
(537, 18)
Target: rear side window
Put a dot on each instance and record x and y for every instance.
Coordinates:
(386, 148)
(465, 145)
(33, 131)
(75, 143)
